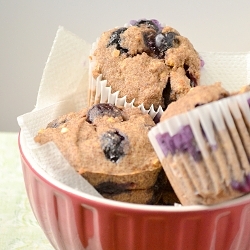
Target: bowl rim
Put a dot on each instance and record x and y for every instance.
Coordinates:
(31, 163)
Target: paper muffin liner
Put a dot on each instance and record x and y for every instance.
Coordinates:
(99, 92)
(206, 152)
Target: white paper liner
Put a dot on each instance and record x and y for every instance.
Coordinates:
(65, 87)
(219, 113)
(100, 93)
(228, 117)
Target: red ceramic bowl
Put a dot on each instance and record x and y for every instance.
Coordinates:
(74, 220)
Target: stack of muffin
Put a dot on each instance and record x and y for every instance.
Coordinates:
(150, 69)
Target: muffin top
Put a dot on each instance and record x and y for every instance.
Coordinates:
(105, 140)
(147, 62)
(194, 98)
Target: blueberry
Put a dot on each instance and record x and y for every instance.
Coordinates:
(149, 41)
(115, 39)
(57, 122)
(243, 186)
(103, 109)
(153, 24)
(113, 144)
(165, 41)
(183, 141)
(157, 118)
(158, 43)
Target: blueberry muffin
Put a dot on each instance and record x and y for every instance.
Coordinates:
(203, 139)
(196, 97)
(109, 147)
(146, 62)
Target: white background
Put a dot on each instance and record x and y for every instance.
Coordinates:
(28, 28)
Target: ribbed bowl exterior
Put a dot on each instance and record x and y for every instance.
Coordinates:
(74, 221)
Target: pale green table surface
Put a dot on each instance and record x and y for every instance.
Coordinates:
(18, 226)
